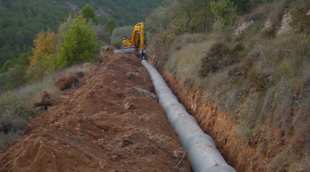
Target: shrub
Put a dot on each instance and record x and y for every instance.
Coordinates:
(80, 44)
(258, 79)
(300, 20)
(216, 58)
(129, 75)
(118, 35)
(16, 108)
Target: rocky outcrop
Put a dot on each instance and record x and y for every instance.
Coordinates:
(285, 24)
(243, 26)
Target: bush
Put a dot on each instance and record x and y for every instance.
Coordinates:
(300, 20)
(216, 58)
(118, 34)
(80, 44)
(16, 108)
(258, 80)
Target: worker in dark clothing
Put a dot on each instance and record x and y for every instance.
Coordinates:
(143, 57)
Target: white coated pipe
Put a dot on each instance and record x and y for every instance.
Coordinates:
(125, 50)
(203, 155)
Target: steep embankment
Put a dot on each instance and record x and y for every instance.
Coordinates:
(110, 122)
(244, 154)
(262, 149)
(215, 123)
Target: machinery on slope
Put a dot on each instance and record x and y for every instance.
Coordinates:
(137, 37)
(137, 41)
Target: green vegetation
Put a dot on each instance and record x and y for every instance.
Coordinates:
(76, 43)
(120, 33)
(88, 14)
(260, 77)
(110, 26)
(16, 108)
(80, 44)
(37, 39)
(129, 75)
(21, 21)
(56, 45)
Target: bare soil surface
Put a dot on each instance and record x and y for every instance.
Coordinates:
(110, 122)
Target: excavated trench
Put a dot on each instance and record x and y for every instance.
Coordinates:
(237, 152)
(111, 122)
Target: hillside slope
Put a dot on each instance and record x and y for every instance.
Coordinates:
(248, 85)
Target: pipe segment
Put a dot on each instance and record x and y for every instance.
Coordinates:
(125, 50)
(203, 155)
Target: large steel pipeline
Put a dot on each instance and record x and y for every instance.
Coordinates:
(203, 155)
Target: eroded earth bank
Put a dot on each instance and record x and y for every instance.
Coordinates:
(110, 121)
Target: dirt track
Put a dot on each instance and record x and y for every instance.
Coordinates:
(111, 122)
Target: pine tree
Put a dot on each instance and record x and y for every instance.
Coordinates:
(80, 44)
(89, 14)
(110, 26)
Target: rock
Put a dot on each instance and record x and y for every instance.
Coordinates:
(139, 92)
(108, 51)
(66, 82)
(47, 99)
(243, 27)
(127, 106)
(285, 24)
(89, 66)
(268, 24)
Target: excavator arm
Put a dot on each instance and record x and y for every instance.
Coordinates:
(137, 37)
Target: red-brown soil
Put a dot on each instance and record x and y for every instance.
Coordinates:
(111, 122)
(47, 99)
(66, 82)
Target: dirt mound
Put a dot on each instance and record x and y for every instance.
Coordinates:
(109, 51)
(47, 99)
(110, 123)
(66, 82)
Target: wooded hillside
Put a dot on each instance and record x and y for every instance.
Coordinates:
(21, 20)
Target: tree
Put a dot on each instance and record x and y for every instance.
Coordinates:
(158, 20)
(224, 11)
(15, 77)
(2, 40)
(89, 14)
(43, 54)
(80, 44)
(102, 35)
(120, 33)
(6, 66)
(64, 27)
(110, 26)
(188, 15)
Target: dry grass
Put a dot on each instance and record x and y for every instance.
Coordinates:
(267, 87)
(185, 57)
(16, 106)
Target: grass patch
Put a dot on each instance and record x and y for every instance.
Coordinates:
(16, 106)
(262, 79)
(129, 75)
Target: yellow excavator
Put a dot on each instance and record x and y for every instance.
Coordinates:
(137, 41)
(137, 38)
